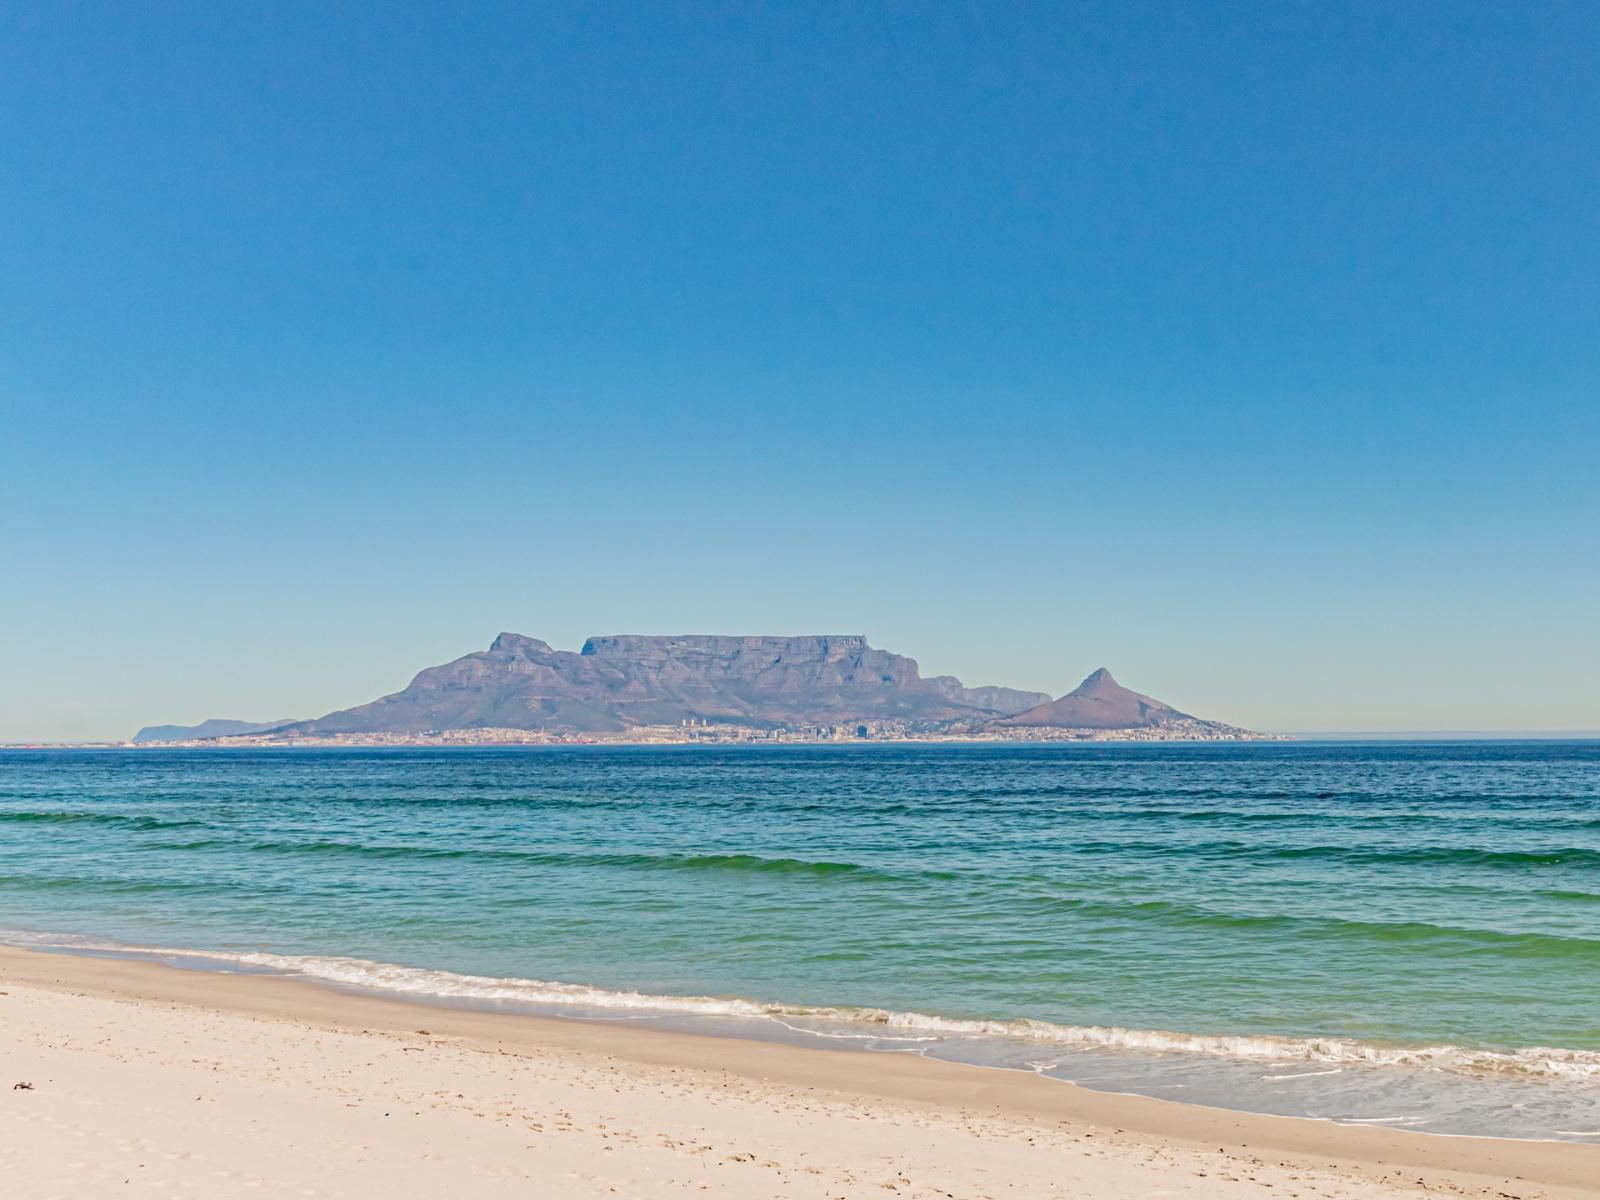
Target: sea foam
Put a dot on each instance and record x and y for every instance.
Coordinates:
(536, 995)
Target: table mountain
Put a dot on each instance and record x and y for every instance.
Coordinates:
(621, 682)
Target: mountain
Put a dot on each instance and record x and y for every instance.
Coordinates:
(1099, 702)
(617, 683)
(215, 727)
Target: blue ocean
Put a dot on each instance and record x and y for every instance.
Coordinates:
(1398, 934)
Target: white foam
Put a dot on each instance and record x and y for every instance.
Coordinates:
(1533, 1061)
(874, 1023)
(1301, 1075)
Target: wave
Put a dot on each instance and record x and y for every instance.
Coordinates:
(1439, 802)
(1170, 912)
(102, 819)
(748, 863)
(1564, 856)
(1034, 893)
(110, 885)
(1533, 1062)
(1465, 856)
(1458, 856)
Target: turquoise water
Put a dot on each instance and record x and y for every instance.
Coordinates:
(1399, 933)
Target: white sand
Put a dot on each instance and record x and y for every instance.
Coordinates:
(154, 1081)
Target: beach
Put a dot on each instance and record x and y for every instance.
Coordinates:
(1335, 932)
(951, 601)
(148, 1079)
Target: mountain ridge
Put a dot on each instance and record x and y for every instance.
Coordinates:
(622, 681)
(819, 685)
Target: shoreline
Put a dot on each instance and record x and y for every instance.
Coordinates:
(1443, 737)
(868, 1029)
(1069, 737)
(876, 1086)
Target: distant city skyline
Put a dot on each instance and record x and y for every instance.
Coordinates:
(1250, 351)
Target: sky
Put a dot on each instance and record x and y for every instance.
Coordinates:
(1249, 350)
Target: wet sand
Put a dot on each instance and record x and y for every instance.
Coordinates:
(159, 1081)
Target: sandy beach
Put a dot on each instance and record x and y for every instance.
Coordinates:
(148, 1079)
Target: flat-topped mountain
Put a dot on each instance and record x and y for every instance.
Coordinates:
(744, 687)
(622, 682)
(1099, 702)
(215, 727)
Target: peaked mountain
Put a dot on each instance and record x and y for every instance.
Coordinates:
(617, 683)
(1099, 702)
(212, 728)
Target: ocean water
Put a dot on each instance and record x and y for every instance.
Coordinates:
(1404, 934)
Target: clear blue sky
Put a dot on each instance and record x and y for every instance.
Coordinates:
(1251, 350)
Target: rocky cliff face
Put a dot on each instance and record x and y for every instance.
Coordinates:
(618, 683)
(1099, 702)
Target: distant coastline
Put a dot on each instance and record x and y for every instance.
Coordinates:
(490, 738)
(727, 735)
(679, 689)
(700, 735)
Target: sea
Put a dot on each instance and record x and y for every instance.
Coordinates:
(1395, 934)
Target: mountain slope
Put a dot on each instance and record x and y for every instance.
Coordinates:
(1099, 702)
(617, 683)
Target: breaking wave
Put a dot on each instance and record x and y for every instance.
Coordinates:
(533, 995)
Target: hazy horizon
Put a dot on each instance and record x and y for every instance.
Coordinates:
(1250, 352)
(1327, 733)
